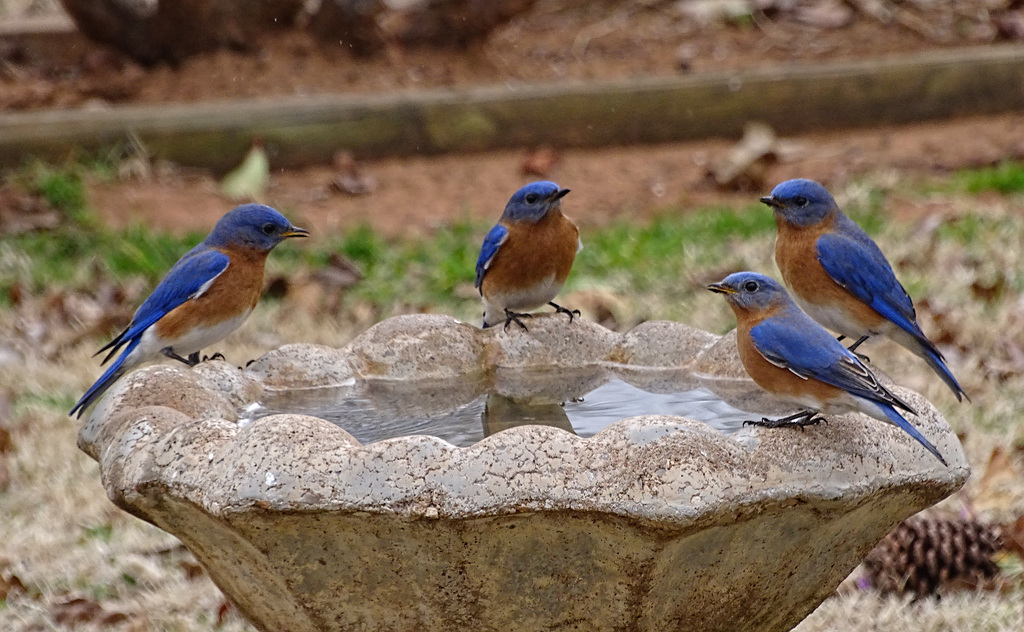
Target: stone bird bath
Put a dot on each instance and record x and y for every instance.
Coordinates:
(655, 523)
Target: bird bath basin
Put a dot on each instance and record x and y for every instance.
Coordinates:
(582, 402)
(656, 522)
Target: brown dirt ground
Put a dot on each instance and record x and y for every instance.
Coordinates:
(554, 42)
(419, 193)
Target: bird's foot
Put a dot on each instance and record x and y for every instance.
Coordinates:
(853, 349)
(859, 342)
(216, 356)
(797, 420)
(191, 360)
(515, 317)
(564, 310)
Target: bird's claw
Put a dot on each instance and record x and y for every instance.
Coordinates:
(514, 317)
(798, 420)
(565, 310)
(216, 356)
(191, 360)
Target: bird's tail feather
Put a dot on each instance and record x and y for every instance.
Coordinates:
(113, 372)
(907, 427)
(935, 360)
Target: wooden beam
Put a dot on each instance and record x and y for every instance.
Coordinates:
(307, 130)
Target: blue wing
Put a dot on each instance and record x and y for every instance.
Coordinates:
(793, 341)
(856, 263)
(860, 267)
(187, 279)
(492, 242)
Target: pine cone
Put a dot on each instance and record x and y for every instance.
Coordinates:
(923, 555)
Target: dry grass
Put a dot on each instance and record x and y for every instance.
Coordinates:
(64, 540)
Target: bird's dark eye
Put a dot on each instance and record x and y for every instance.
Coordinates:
(531, 198)
(800, 201)
(750, 286)
(268, 229)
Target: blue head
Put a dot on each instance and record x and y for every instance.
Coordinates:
(532, 202)
(253, 226)
(750, 291)
(801, 202)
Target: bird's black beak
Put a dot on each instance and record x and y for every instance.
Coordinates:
(559, 195)
(721, 288)
(771, 201)
(295, 231)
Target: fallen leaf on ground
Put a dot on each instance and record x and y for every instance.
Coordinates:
(249, 180)
(540, 162)
(746, 166)
(351, 178)
(1000, 483)
(191, 569)
(10, 585)
(226, 610)
(75, 611)
(827, 14)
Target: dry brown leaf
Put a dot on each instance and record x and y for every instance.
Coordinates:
(6, 446)
(826, 14)
(74, 611)
(226, 610)
(351, 178)
(1010, 24)
(11, 585)
(540, 162)
(1013, 536)
(1000, 483)
(22, 212)
(191, 569)
(746, 166)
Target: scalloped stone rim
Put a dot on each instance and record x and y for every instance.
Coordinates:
(654, 523)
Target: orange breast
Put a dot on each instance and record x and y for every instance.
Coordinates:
(797, 257)
(236, 290)
(533, 253)
(776, 379)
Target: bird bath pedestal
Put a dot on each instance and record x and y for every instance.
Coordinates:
(655, 523)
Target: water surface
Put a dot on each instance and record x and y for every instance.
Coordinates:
(463, 413)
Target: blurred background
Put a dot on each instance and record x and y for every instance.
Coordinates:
(396, 130)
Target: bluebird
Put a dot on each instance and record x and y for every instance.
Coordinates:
(791, 356)
(838, 275)
(206, 295)
(526, 257)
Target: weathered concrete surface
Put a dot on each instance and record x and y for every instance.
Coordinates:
(655, 523)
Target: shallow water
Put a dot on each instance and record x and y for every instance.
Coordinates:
(372, 412)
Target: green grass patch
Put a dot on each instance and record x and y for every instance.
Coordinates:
(103, 532)
(1006, 177)
(435, 271)
(73, 256)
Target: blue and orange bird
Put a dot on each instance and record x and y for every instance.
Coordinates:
(838, 275)
(205, 296)
(526, 257)
(797, 360)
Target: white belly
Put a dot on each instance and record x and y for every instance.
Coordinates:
(531, 298)
(150, 345)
